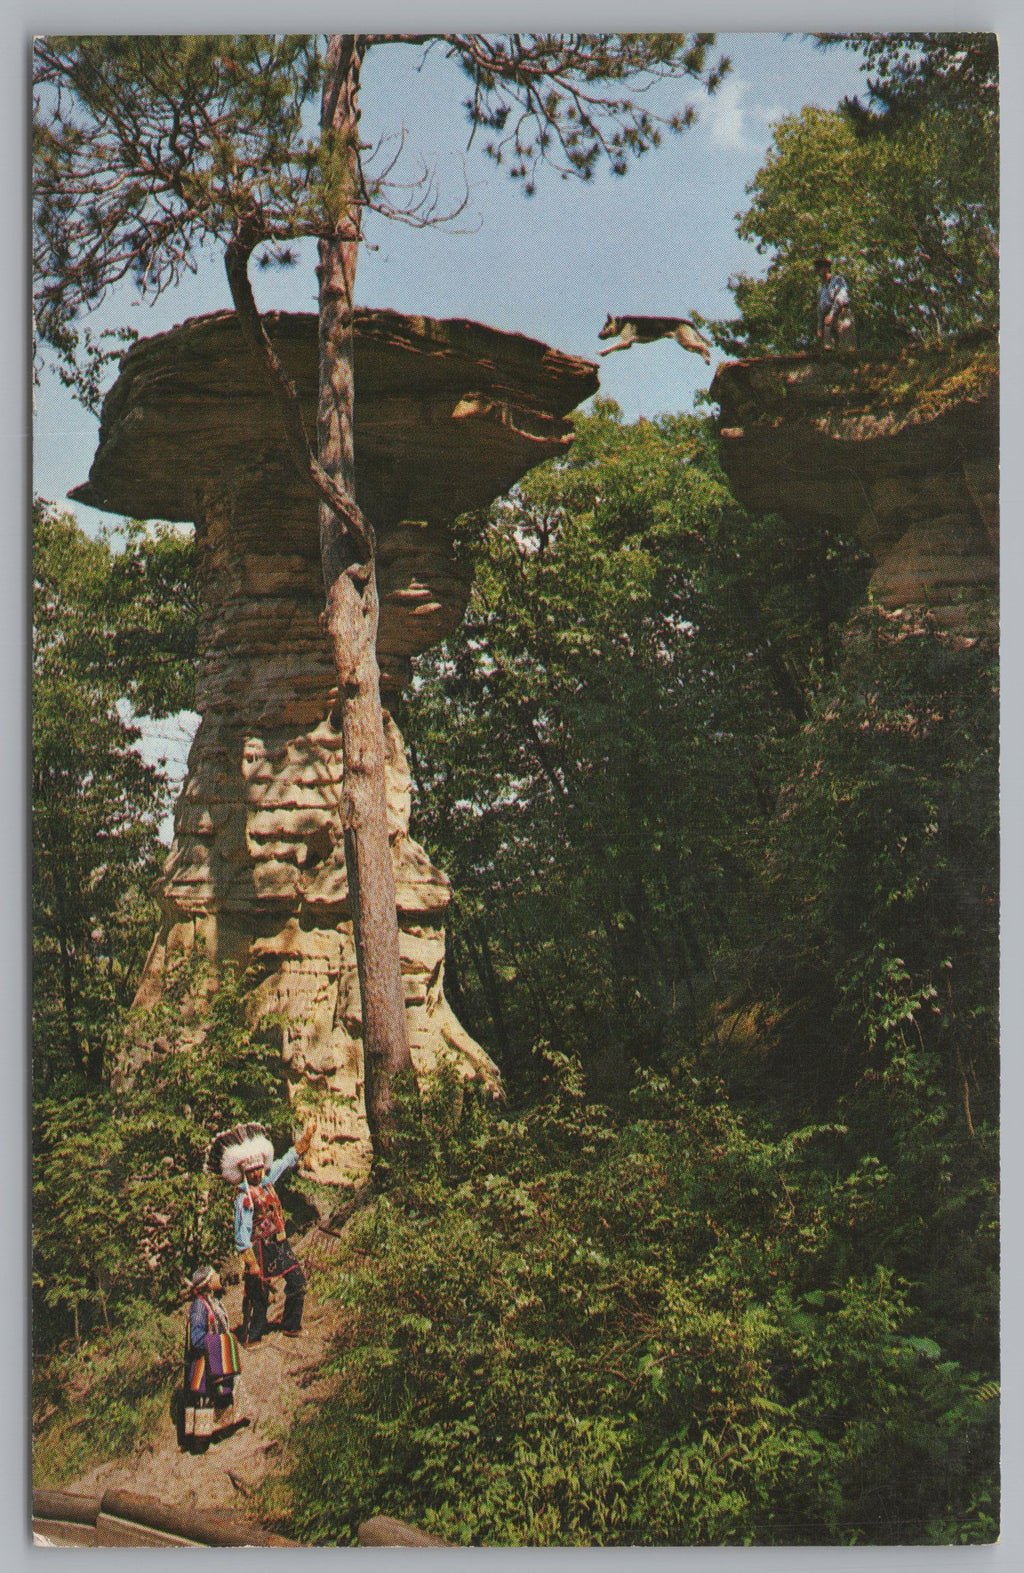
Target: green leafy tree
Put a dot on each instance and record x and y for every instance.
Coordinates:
(914, 240)
(113, 635)
(902, 193)
(149, 148)
(871, 962)
(598, 744)
(122, 1211)
(887, 847)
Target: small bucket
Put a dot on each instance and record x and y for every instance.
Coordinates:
(202, 1422)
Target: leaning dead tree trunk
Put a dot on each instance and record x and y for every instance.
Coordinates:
(348, 554)
(350, 578)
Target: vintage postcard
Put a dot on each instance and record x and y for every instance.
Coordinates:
(515, 809)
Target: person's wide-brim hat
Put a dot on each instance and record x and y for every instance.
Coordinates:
(823, 262)
(242, 1147)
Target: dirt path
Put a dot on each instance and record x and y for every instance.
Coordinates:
(281, 1376)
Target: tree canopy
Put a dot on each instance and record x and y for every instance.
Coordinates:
(620, 702)
(902, 193)
(113, 638)
(915, 74)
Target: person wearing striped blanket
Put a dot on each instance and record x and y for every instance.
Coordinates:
(211, 1364)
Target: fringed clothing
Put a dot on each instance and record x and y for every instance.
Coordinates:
(259, 1224)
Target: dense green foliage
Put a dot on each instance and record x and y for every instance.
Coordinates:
(102, 1396)
(873, 956)
(118, 1206)
(123, 1214)
(595, 747)
(724, 1269)
(113, 636)
(882, 864)
(755, 1298)
(667, 1328)
(902, 194)
(914, 238)
(122, 1210)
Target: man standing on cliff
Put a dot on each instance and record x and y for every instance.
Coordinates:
(835, 318)
(245, 1156)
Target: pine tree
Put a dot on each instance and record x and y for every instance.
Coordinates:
(149, 148)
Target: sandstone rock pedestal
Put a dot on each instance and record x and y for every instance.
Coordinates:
(448, 416)
(902, 450)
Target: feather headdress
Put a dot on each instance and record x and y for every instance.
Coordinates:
(242, 1147)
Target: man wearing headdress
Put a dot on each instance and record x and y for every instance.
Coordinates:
(245, 1156)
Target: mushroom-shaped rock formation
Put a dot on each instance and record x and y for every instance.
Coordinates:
(448, 415)
(903, 450)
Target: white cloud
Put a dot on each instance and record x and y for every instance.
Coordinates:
(737, 124)
(725, 115)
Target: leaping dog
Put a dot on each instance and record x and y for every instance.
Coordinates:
(644, 330)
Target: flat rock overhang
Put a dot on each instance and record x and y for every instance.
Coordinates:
(808, 435)
(449, 414)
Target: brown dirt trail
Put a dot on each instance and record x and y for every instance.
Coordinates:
(282, 1382)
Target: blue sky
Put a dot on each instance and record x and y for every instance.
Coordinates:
(660, 240)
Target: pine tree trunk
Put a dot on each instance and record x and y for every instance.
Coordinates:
(352, 614)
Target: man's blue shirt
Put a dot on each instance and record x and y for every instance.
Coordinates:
(243, 1214)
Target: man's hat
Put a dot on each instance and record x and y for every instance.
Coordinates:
(242, 1147)
(823, 262)
(201, 1276)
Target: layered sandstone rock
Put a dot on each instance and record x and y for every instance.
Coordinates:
(448, 416)
(902, 450)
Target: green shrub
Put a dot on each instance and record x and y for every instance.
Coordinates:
(575, 1331)
(121, 1207)
(106, 1397)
